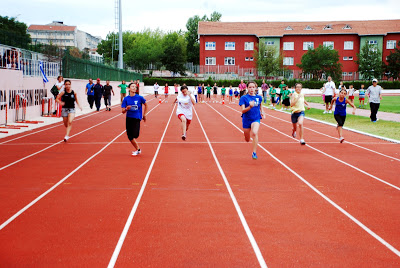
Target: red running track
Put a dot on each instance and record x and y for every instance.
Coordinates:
(200, 202)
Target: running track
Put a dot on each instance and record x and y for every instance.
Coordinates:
(202, 202)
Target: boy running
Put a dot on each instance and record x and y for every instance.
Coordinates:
(285, 98)
(297, 104)
(340, 111)
(132, 106)
(184, 110)
(252, 112)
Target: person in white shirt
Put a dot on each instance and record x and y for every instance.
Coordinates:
(60, 84)
(329, 91)
(156, 87)
(184, 112)
(374, 94)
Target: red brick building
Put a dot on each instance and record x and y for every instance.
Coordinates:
(229, 46)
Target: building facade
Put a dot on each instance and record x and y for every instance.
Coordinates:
(62, 35)
(232, 44)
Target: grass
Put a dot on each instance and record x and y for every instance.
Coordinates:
(382, 128)
(390, 104)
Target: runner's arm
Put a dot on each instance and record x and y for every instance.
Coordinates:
(145, 112)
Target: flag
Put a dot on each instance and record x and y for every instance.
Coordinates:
(45, 80)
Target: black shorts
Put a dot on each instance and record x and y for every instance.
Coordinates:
(286, 102)
(340, 119)
(132, 128)
(208, 95)
(328, 99)
(273, 100)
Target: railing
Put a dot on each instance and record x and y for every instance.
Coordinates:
(31, 68)
(10, 58)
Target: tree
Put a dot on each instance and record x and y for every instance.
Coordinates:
(146, 49)
(192, 37)
(321, 61)
(369, 61)
(174, 52)
(268, 61)
(13, 33)
(393, 66)
(108, 48)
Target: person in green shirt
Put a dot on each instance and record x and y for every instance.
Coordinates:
(223, 90)
(208, 93)
(282, 86)
(123, 87)
(285, 98)
(272, 93)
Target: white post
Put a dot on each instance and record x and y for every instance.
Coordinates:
(120, 56)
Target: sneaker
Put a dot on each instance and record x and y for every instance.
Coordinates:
(135, 153)
(302, 142)
(330, 111)
(184, 137)
(325, 112)
(109, 109)
(341, 139)
(254, 156)
(293, 133)
(66, 138)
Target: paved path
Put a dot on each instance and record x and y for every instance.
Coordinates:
(362, 112)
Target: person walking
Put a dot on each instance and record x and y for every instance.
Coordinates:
(242, 88)
(374, 93)
(123, 87)
(90, 93)
(330, 92)
(107, 95)
(264, 88)
(98, 93)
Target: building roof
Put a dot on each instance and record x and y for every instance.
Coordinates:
(51, 28)
(260, 29)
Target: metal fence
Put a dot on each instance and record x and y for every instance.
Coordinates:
(31, 68)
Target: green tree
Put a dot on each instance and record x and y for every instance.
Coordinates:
(174, 52)
(321, 61)
(268, 61)
(369, 62)
(393, 60)
(108, 47)
(146, 49)
(13, 33)
(192, 37)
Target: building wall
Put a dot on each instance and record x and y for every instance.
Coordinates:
(386, 52)
(276, 42)
(59, 38)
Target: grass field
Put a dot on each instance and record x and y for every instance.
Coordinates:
(382, 128)
(390, 104)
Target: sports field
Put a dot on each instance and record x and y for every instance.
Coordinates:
(200, 202)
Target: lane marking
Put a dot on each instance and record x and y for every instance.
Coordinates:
(128, 223)
(61, 181)
(246, 227)
(330, 156)
(359, 223)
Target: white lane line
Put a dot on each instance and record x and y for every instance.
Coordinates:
(58, 125)
(361, 147)
(246, 227)
(330, 156)
(128, 223)
(365, 228)
(61, 181)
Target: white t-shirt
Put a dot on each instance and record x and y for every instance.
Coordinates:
(156, 86)
(329, 88)
(60, 85)
(184, 106)
(374, 93)
(351, 91)
(193, 90)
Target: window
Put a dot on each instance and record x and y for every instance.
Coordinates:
(328, 27)
(350, 73)
(269, 43)
(373, 42)
(329, 44)
(348, 45)
(229, 61)
(249, 59)
(308, 27)
(288, 45)
(229, 45)
(288, 28)
(390, 44)
(210, 61)
(307, 45)
(347, 58)
(210, 45)
(350, 58)
(248, 45)
(346, 27)
(344, 74)
(288, 61)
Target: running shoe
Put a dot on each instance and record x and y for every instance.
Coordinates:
(325, 112)
(135, 153)
(330, 111)
(293, 133)
(302, 142)
(109, 109)
(184, 137)
(254, 156)
(66, 138)
(341, 139)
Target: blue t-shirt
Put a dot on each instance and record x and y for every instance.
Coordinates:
(199, 90)
(236, 93)
(340, 108)
(254, 113)
(230, 92)
(89, 89)
(136, 103)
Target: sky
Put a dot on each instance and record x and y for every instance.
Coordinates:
(97, 17)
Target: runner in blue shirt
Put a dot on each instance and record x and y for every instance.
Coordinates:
(252, 112)
(132, 106)
(340, 111)
(90, 93)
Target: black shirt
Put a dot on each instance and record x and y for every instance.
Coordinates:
(107, 90)
(68, 99)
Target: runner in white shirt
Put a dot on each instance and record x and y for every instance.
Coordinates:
(329, 91)
(184, 112)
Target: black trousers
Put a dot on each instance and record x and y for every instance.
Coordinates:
(97, 100)
(90, 99)
(374, 110)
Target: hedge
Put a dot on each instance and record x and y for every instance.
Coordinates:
(306, 84)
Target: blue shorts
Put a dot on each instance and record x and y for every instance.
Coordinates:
(247, 123)
(295, 116)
